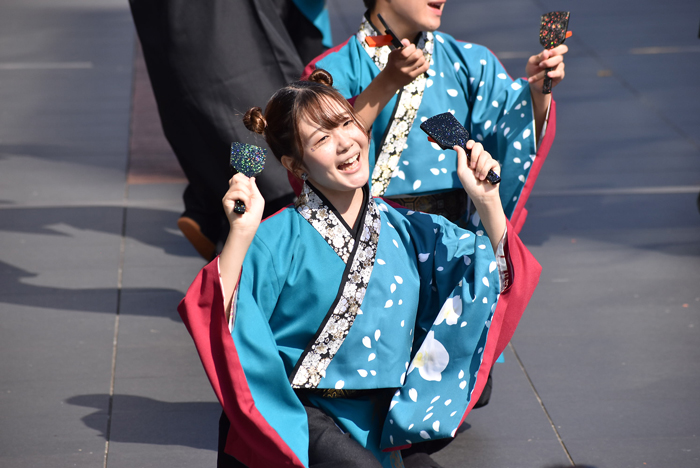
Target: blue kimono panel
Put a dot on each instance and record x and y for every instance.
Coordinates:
(425, 291)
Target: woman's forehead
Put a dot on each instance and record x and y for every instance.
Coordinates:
(328, 111)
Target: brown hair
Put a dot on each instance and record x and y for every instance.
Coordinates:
(310, 99)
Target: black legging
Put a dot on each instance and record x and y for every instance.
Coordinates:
(329, 447)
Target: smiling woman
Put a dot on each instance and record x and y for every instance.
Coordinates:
(330, 330)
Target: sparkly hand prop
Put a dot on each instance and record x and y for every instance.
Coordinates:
(446, 131)
(553, 32)
(249, 160)
(388, 38)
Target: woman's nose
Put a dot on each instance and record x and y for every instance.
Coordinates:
(344, 142)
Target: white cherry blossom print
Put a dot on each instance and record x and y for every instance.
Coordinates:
(450, 312)
(431, 359)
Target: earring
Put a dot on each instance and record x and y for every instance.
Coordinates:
(304, 176)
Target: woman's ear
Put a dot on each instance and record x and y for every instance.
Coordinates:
(288, 163)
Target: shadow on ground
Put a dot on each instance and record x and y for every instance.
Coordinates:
(142, 420)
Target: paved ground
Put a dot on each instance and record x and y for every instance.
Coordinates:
(97, 369)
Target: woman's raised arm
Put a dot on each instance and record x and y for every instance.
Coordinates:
(243, 229)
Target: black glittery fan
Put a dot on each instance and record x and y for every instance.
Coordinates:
(553, 32)
(446, 131)
(249, 160)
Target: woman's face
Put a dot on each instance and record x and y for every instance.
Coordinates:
(335, 159)
(413, 16)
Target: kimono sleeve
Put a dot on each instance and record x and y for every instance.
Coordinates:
(502, 119)
(349, 66)
(463, 325)
(268, 423)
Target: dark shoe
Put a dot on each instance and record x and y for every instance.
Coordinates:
(486, 394)
(193, 233)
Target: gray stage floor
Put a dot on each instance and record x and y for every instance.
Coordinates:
(97, 369)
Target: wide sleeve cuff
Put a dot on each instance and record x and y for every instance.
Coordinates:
(502, 263)
(231, 313)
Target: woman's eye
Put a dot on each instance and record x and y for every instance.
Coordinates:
(348, 122)
(321, 140)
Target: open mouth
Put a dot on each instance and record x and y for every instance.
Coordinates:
(350, 164)
(436, 7)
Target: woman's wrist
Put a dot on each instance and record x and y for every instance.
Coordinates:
(241, 236)
(488, 201)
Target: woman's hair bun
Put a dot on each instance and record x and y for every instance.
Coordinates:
(254, 120)
(321, 76)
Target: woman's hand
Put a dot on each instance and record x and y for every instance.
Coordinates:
(404, 65)
(244, 189)
(537, 66)
(472, 172)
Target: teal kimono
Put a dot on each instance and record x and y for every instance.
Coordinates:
(406, 308)
(465, 79)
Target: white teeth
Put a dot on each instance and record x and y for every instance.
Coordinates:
(351, 160)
